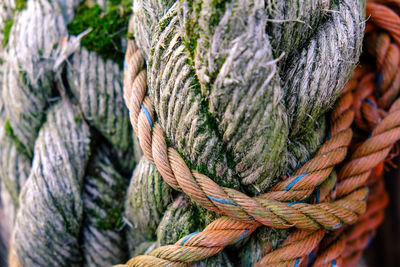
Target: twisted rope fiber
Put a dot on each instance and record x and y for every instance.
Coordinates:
(225, 197)
(228, 201)
(259, 137)
(377, 86)
(373, 94)
(231, 202)
(66, 143)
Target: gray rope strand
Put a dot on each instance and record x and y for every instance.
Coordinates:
(147, 198)
(24, 75)
(28, 71)
(48, 223)
(102, 240)
(97, 85)
(97, 237)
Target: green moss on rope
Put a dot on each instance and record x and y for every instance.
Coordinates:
(20, 146)
(192, 31)
(165, 22)
(113, 220)
(20, 4)
(108, 27)
(219, 6)
(7, 29)
(210, 123)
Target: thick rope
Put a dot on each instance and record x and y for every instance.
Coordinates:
(235, 204)
(264, 210)
(346, 247)
(377, 85)
(66, 145)
(183, 90)
(352, 176)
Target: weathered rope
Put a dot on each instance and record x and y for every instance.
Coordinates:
(352, 175)
(95, 145)
(231, 202)
(232, 126)
(373, 94)
(356, 170)
(66, 145)
(212, 112)
(377, 85)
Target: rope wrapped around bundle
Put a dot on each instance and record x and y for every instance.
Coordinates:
(229, 102)
(199, 54)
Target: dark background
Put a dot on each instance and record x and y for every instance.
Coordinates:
(385, 249)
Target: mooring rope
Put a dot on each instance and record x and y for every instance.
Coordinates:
(282, 206)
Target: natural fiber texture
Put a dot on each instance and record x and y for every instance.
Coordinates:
(182, 83)
(258, 211)
(199, 245)
(222, 137)
(67, 149)
(239, 88)
(59, 210)
(377, 86)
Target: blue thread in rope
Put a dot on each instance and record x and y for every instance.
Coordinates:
(370, 102)
(333, 263)
(146, 112)
(371, 238)
(125, 66)
(337, 226)
(243, 234)
(378, 83)
(329, 136)
(318, 195)
(334, 192)
(310, 259)
(296, 264)
(292, 183)
(292, 203)
(187, 238)
(334, 188)
(366, 195)
(222, 201)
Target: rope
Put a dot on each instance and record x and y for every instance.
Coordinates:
(346, 247)
(268, 209)
(377, 86)
(66, 145)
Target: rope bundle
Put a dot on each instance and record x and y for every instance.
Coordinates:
(66, 146)
(266, 210)
(186, 115)
(240, 89)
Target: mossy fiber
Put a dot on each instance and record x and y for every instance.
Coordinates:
(207, 68)
(20, 4)
(6, 33)
(108, 27)
(20, 146)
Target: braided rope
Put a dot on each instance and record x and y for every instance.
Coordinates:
(268, 209)
(64, 138)
(367, 156)
(377, 92)
(373, 94)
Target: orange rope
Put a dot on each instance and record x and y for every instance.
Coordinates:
(280, 208)
(376, 87)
